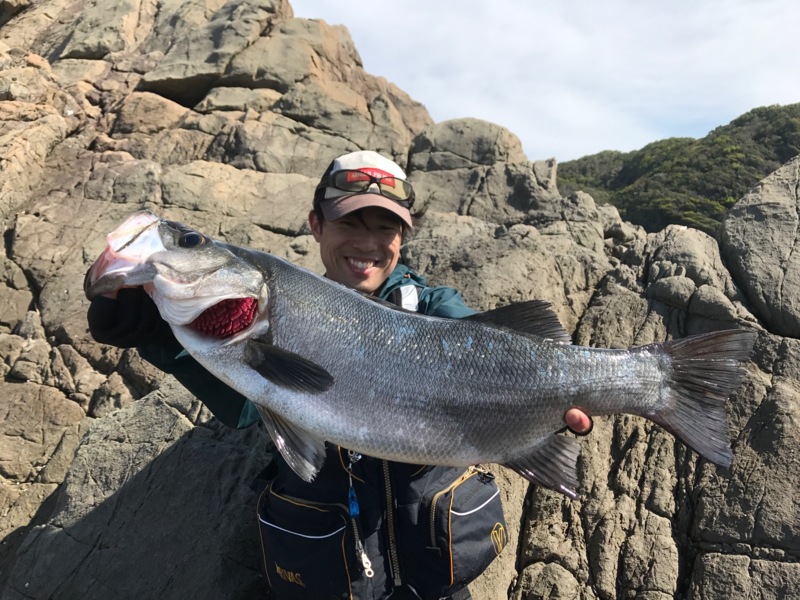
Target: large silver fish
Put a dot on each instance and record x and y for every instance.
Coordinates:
(326, 363)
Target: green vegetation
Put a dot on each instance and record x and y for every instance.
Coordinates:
(687, 181)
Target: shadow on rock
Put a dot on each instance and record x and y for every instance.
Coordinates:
(144, 482)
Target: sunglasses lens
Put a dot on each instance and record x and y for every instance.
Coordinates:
(391, 191)
(351, 181)
(358, 181)
(398, 190)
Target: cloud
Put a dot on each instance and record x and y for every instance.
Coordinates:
(574, 78)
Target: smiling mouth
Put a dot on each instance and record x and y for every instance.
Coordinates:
(361, 265)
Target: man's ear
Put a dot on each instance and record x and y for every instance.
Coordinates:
(316, 225)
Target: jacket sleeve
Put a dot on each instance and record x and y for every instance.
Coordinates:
(227, 405)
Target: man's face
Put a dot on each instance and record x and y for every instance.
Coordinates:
(361, 249)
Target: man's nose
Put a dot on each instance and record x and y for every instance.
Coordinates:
(367, 240)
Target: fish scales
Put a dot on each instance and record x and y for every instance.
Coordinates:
(325, 363)
(473, 382)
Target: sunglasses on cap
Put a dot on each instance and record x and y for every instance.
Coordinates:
(357, 182)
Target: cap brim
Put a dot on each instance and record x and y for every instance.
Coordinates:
(336, 208)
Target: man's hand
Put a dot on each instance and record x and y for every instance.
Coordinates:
(128, 321)
(578, 421)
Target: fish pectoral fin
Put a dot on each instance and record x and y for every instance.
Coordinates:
(304, 453)
(534, 317)
(287, 369)
(552, 464)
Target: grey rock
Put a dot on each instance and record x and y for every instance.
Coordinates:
(223, 115)
(492, 265)
(16, 298)
(719, 575)
(30, 128)
(547, 580)
(144, 112)
(297, 50)
(475, 168)
(759, 237)
(101, 29)
(238, 99)
(139, 469)
(35, 420)
(194, 63)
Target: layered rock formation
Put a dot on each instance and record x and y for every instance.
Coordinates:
(116, 483)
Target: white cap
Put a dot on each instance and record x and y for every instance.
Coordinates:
(337, 203)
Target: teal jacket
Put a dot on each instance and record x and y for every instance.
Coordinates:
(232, 408)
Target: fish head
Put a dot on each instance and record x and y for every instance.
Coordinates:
(195, 282)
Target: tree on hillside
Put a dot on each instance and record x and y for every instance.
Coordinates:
(687, 181)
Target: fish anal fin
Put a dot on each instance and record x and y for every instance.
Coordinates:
(287, 369)
(304, 453)
(534, 317)
(552, 464)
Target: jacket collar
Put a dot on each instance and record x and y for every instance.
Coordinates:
(401, 276)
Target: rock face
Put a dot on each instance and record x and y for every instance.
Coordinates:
(755, 239)
(116, 483)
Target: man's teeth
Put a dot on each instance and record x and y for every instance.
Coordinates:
(361, 264)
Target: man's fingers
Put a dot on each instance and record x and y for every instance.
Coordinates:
(578, 421)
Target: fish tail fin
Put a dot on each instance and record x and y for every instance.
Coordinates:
(706, 369)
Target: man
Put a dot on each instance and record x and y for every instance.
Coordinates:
(364, 528)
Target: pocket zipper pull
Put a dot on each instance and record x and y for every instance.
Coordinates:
(367, 564)
(352, 500)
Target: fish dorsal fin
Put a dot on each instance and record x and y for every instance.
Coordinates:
(304, 453)
(535, 317)
(286, 369)
(552, 464)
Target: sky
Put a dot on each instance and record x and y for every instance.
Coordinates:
(575, 77)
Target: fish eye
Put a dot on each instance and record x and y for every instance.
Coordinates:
(191, 239)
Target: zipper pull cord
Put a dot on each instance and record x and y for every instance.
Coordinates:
(352, 501)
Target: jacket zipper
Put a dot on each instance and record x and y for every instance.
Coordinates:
(390, 526)
(308, 502)
(464, 476)
(322, 506)
(409, 302)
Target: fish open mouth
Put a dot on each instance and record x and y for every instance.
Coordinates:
(226, 318)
